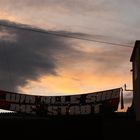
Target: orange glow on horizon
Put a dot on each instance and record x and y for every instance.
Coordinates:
(73, 82)
(6, 16)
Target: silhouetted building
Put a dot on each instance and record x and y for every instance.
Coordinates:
(135, 59)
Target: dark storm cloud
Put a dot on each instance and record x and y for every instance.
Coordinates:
(26, 55)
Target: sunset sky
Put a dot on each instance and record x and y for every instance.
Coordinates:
(45, 64)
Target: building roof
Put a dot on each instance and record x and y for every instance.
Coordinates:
(137, 43)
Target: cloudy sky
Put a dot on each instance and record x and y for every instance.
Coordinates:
(45, 64)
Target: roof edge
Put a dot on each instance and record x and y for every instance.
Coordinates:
(137, 43)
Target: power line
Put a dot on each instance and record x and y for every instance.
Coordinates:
(63, 35)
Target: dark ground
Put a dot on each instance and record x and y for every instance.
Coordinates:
(108, 127)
